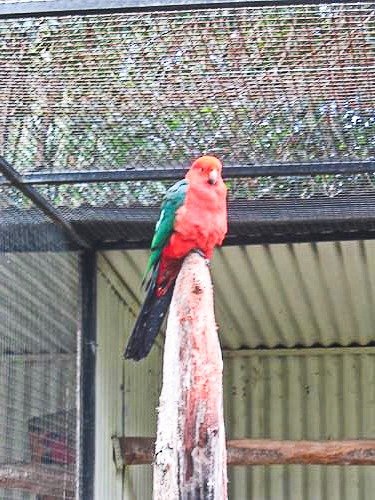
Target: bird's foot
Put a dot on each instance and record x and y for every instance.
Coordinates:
(202, 254)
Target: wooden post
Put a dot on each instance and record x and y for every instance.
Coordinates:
(190, 452)
(45, 480)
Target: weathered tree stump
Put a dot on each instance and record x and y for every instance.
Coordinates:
(190, 453)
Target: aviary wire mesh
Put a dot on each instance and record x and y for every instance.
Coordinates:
(39, 318)
(151, 91)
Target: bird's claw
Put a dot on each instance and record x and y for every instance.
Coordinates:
(202, 254)
(199, 252)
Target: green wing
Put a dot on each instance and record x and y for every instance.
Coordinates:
(173, 199)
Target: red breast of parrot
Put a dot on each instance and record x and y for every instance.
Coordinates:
(193, 216)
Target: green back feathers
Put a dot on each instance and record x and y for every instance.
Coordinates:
(173, 199)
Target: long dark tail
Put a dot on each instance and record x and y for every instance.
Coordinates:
(148, 323)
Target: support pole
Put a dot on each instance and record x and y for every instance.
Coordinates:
(85, 465)
(190, 452)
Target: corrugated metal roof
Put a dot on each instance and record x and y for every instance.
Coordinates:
(295, 295)
(303, 294)
(301, 394)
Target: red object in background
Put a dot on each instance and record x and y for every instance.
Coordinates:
(57, 450)
(51, 448)
(52, 438)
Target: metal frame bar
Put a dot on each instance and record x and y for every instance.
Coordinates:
(15, 180)
(82, 7)
(254, 222)
(271, 239)
(87, 362)
(230, 171)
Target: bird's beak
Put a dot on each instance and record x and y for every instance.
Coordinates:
(212, 177)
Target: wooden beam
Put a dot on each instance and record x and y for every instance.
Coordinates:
(136, 451)
(264, 452)
(190, 452)
(38, 479)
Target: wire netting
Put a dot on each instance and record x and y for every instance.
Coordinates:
(150, 194)
(153, 90)
(39, 322)
(142, 91)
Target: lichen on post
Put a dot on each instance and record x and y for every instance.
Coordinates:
(190, 452)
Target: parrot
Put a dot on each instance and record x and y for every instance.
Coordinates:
(193, 217)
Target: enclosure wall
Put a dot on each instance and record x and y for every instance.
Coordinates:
(294, 393)
(301, 394)
(126, 393)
